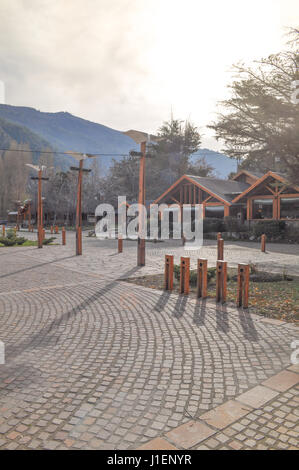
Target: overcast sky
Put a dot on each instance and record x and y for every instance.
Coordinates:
(127, 63)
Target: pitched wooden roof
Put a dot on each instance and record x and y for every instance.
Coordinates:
(223, 190)
(277, 176)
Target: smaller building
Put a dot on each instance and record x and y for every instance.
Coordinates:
(247, 196)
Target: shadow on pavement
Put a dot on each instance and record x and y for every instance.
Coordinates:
(222, 318)
(247, 324)
(43, 338)
(200, 312)
(37, 266)
(180, 306)
(162, 301)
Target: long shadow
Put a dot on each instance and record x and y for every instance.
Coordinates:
(36, 266)
(53, 339)
(162, 301)
(247, 324)
(180, 306)
(200, 312)
(222, 318)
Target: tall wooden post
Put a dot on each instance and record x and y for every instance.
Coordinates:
(39, 211)
(79, 206)
(141, 200)
(79, 212)
(39, 179)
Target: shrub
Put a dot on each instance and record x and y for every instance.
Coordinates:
(10, 233)
(213, 225)
(232, 224)
(12, 240)
(193, 274)
(47, 241)
(20, 240)
(7, 241)
(271, 228)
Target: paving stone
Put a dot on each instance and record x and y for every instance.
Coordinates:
(84, 351)
(225, 414)
(189, 434)
(257, 396)
(157, 444)
(282, 381)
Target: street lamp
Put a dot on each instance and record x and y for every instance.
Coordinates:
(141, 138)
(80, 157)
(39, 178)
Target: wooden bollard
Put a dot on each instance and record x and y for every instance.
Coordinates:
(79, 244)
(243, 285)
(220, 249)
(56, 229)
(120, 244)
(202, 278)
(168, 272)
(63, 236)
(221, 281)
(3, 230)
(263, 243)
(52, 229)
(184, 275)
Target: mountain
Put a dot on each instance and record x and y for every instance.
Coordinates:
(10, 131)
(223, 164)
(62, 132)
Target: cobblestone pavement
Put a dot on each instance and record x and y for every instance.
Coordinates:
(93, 362)
(278, 258)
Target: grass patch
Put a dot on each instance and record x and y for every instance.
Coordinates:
(25, 242)
(272, 296)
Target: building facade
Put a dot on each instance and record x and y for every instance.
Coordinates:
(248, 196)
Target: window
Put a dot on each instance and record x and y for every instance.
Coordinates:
(289, 208)
(262, 209)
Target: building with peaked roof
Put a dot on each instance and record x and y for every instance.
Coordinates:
(248, 195)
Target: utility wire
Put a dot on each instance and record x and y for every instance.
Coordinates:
(102, 154)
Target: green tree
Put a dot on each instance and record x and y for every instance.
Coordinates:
(122, 180)
(177, 141)
(166, 161)
(13, 176)
(260, 121)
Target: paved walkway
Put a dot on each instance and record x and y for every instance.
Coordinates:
(95, 362)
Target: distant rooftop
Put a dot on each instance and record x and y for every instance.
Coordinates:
(226, 189)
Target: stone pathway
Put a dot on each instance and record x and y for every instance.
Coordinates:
(264, 418)
(93, 362)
